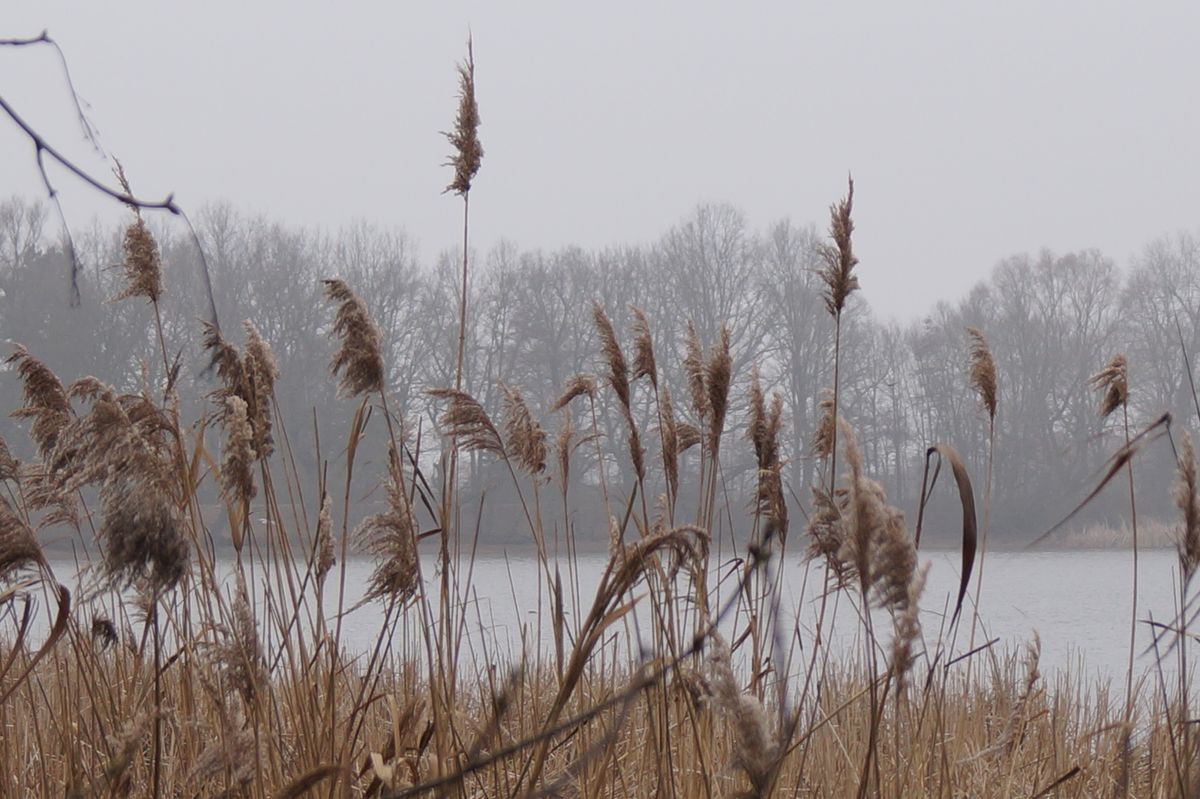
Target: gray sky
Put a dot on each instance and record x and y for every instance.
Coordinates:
(973, 130)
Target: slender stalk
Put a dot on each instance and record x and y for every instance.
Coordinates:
(1133, 608)
(837, 358)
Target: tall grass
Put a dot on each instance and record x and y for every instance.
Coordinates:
(175, 670)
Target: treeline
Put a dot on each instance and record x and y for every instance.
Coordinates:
(1052, 320)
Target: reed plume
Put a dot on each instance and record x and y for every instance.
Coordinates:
(618, 379)
(237, 657)
(866, 511)
(358, 363)
(907, 630)
(1189, 504)
(670, 441)
(577, 386)
(827, 532)
(717, 374)
(19, 548)
(983, 371)
(10, 467)
(693, 367)
(250, 376)
(838, 271)
(644, 364)
(263, 371)
(132, 463)
(618, 368)
(325, 559)
(467, 423)
(1113, 384)
(823, 438)
(391, 538)
(237, 453)
(225, 358)
(754, 744)
(687, 436)
(564, 445)
(464, 138)
(763, 433)
(526, 440)
(45, 401)
(141, 263)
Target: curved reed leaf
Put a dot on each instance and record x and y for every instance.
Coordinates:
(966, 497)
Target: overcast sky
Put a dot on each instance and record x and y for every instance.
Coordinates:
(973, 130)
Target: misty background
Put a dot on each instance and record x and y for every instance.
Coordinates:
(974, 130)
(1052, 319)
(1022, 168)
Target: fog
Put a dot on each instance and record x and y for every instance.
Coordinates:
(975, 132)
(1052, 320)
(1024, 171)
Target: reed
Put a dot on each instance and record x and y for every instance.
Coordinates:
(172, 670)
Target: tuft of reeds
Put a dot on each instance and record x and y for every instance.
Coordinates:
(45, 400)
(464, 137)
(358, 361)
(142, 263)
(982, 371)
(1188, 502)
(1112, 382)
(19, 548)
(526, 439)
(391, 538)
(837, 273)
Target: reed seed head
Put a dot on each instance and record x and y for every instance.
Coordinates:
(618, 369)
(1189, 504)
(686, 437)
(526, 438)
(838, 270)
(1113, 384)
(262, 371)
(693, 366)
(983, 371)
(468, 152)
(578, 386)
(141, 263)
(644, 364)
(391, 538)
(325, 559)
(45, 401)
(718, 373)
(907, 631)
(238, 656)
(120, 446)
(237, 453)
(827, 532)
(670, 441)
(10, 467)
(563, 446)
(468, 423)
(358, 362)
(823, 437)
(754, 745)
(19, 548)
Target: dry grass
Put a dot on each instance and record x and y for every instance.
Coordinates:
(176, 675)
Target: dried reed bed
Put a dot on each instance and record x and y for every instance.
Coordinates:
(163, 672)
(257, 695)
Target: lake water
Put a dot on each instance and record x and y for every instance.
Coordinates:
(1078, 602)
